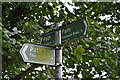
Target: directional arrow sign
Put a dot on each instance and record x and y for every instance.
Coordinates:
(74, 31)
(38, 54)
(48, 39)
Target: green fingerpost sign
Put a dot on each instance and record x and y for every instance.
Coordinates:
(38, 54)
(48, 38)
(74, 31)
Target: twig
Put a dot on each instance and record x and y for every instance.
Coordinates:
(24, 73)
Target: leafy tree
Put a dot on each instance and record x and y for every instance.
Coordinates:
(93, 55)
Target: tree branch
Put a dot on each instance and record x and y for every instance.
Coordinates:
(88, 8)
(24, 73)
(98, 57)
(104, 10)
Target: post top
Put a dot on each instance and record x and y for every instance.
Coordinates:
(57, 25)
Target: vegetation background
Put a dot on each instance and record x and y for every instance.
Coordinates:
(96, 54)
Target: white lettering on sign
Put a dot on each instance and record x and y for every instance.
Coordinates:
(67, 36)
(75, 33)
(71, 34)
(64, 31)
(32, 55)
(35, 49)
(47, 38)
(41, 40)
(31, 48)
(81, 30)
(47, 43)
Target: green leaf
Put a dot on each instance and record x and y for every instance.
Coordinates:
(78, 52)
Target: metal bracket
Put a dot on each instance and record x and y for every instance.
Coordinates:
(58, 28)
(59, 64)
(58, 47)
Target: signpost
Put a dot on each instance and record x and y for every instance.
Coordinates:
(69, 33)
(38, 54)
(59, 36)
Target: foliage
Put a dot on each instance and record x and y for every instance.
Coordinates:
(25, 22)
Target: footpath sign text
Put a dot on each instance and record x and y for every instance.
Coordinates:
(74, 31)
(38, 54)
